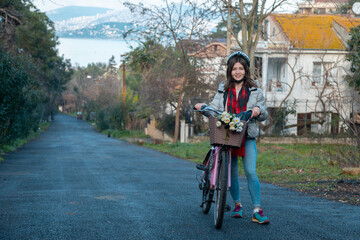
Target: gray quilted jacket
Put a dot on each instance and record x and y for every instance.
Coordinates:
(256, 98)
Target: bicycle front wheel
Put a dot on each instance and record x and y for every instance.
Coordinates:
(221, 189)
(207, 197)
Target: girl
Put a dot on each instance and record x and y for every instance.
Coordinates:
(238, 94)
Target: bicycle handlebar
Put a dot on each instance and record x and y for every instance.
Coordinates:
(207, 110)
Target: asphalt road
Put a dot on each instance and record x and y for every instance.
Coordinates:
(74, 183)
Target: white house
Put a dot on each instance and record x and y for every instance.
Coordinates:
(303, 60)
(321, 6)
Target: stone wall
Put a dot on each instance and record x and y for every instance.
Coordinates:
(155, 133)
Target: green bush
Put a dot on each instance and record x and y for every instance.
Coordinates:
(20, 102)
(126, 133)
(166, 123)
(116, 116)
(111, 117)
(102, 121)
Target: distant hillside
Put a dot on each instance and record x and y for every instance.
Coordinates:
(69, 12)
(109, 30)
(92, 22)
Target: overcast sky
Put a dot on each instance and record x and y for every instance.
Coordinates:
(46, 5)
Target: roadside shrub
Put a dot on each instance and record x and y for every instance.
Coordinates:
(111, 117)
(20, 102)
(166, 123)
(102, 121)
(116, 116)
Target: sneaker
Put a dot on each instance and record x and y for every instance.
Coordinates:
(237, 212)
(259, 217)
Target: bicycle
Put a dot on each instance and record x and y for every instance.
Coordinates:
(216, 178)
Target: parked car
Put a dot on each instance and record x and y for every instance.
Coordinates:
(79, 115)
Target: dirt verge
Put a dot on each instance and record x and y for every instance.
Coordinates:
(344, 191)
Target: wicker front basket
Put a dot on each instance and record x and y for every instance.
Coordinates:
(218, 134)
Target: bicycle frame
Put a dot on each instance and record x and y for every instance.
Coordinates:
(218, 183)
(214, 169)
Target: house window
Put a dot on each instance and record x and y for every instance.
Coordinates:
(276, 75)
(258, 68)
(215, 48)
(273, 32)
(266, 32)
(322, 10)
(322, 73)
(317, 73)
(327, 73)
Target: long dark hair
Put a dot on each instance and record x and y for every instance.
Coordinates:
(248, 81)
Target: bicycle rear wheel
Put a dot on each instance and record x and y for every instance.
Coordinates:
(208, 194)
(221, 189)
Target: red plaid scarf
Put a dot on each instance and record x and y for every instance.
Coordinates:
(236, 106)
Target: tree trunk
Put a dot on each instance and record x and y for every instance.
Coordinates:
(177, 116)
(183, 84)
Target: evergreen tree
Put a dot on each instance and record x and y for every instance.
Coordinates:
(33, 75)
(354, 58)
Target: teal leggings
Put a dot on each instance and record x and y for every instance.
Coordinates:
(249, 162)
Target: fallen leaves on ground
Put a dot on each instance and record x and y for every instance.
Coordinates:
(345, 191)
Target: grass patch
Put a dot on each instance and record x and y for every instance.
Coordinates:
(21, 141)
(281, 163)
(124, 134)
(297, 166)
(194, 152)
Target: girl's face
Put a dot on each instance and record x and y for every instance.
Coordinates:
(238, 71)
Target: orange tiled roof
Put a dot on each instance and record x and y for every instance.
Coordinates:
(348, 23)
(314, 31)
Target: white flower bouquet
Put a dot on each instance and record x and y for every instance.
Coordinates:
(230, 121)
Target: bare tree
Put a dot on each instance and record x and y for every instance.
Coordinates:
(251, 17)
(81, 89)
(174, 23)
(346, 102)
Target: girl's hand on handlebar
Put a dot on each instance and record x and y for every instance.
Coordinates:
(255, 112)
(199, 105)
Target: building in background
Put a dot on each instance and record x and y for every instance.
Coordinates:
(303, 61)
(211, 59)
(321, 6)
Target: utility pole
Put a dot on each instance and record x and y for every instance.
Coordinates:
(124, 84)
(228, 32)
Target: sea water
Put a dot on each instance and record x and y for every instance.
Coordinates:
(83, 51)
